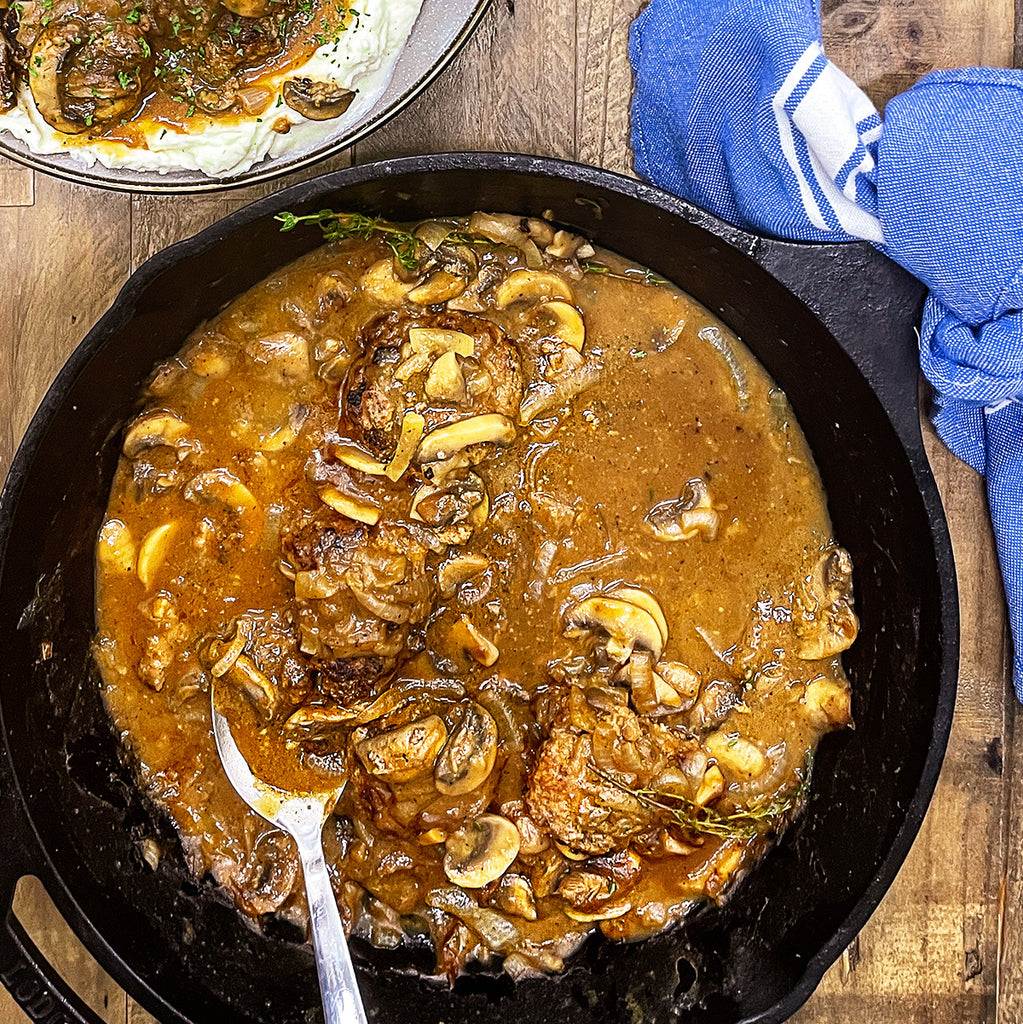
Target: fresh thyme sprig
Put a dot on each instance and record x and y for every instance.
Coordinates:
(336, 226)
(637, 275)
(746, 823)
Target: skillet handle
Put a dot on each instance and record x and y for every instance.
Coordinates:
(31, 980)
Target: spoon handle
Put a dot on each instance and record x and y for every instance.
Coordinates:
(342, 1003)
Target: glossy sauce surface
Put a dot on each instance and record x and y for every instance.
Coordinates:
(573, 659)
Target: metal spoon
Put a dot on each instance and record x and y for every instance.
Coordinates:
(301, 815)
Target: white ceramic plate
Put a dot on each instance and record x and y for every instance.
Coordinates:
(440, 31)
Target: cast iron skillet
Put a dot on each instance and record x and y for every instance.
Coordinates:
(845, 355)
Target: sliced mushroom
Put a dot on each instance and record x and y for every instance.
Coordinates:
(353, 456)
(608, 912)
(442, 443)
(246, 676)
(458, 570)
(532, 286)
(564, 245)
(561, 320)
(318, 101)
(473, 642)
(515, 896)
(509, 229)
(360, 511)
(740, 756)
(823, 617)
(496, 930)
(685, 517)
(82, 78)
(469, 755)
(151, 430)
(649, 603)
(826, 702)
(285, 352)
(627, 626)
(116, 549)
(461, 500)
(405, 753)
(481, 851)
(412, 426)
(219, 487)
(445, 380)
(379, 282)
(711, 787)
(153, 551)
(586, 888)
(438, 287)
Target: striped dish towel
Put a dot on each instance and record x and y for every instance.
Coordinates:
(737, 109)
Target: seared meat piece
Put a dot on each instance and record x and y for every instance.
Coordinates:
(596, 751)
(359, 593)
(582, 809)
(348, 680)
(391, 379)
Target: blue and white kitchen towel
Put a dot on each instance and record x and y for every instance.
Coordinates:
(737, 109)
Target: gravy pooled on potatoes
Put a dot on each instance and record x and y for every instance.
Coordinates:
(512, 534)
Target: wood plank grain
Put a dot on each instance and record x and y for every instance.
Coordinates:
(510, 89)
(886, 45)
(73, 248)
(17, 184)
(604, 84)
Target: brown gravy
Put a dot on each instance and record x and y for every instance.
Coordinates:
(518, 537)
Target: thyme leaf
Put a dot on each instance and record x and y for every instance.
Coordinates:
(337, 226)
(747, 822)
(637, 275)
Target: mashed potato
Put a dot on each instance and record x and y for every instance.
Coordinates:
(361, 59)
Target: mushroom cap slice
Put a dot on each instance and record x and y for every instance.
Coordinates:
(481, 851)
(647, 602)
(532, 286)
(360, 511)
(155, 428)
(318, 101)
(380, 282)
(469, 755)
(405, 753)
(115, 549)
(445, 441)
(153, 551)
(627, 625)
(560, 319)
(438, 287)
(220, 487)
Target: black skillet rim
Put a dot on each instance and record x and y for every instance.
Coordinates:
(753, 247)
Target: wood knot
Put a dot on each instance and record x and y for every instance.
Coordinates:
(852, 19)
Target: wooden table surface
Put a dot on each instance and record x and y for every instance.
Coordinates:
(552, 77)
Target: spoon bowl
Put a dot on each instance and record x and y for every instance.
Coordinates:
(302, 815)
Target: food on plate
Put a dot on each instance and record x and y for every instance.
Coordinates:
(191, 84)
(512, 534)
